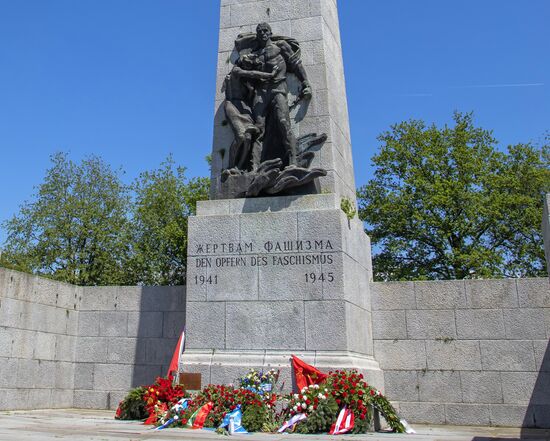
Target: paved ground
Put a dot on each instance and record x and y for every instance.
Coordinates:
(51, 425)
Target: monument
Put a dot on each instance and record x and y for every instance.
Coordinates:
(275, 266)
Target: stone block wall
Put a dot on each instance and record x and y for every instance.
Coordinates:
(465, 352)
(452, 352)
(67, 346)
(38, 331)
(126, 337)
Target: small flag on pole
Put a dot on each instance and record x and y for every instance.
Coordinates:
(180, 348)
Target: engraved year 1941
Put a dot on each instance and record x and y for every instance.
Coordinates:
(322, 277)
(206, 280)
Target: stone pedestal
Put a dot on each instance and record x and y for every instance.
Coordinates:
(271, 277)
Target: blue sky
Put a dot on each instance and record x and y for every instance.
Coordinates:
(133, 80)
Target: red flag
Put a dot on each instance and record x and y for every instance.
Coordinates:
(305, 374)
(118, 410)
(180, 347)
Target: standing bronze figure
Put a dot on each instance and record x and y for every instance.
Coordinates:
(265, 156)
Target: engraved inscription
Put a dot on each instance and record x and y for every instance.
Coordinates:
(287, 253)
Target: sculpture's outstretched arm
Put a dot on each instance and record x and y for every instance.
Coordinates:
(255, 74)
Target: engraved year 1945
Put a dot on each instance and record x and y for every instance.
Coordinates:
(322, 277)
(206, 280)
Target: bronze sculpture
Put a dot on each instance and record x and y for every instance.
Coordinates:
(265, 157)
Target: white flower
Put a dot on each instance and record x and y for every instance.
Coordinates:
(176, 417)
(310, 408)
(296, 397)
(304, 389)
(295, 408)
(326, 390)
(304, 405)
(316, 386)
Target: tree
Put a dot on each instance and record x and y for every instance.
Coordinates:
(87, 228)
(76, 229)
(164, 198)
(446, 204)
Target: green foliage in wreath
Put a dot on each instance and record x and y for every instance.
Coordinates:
(320, 420)
(388, 412)
(255, 418)
(133, 405)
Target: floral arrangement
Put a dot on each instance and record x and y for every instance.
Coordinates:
(156, 400)
(315, 408)
(258, 381)
(318, 404)
(350, 389)
(258, 410)
(322, 402)
(133, 406)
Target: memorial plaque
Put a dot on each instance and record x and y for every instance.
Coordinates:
(190, 381)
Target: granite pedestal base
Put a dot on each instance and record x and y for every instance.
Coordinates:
(220, 366)
(270, 277)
